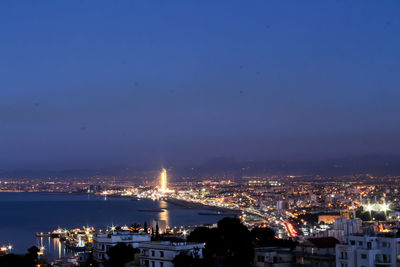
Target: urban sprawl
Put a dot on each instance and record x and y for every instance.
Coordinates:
(289, 221)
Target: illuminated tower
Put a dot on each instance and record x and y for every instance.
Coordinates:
(163, 184)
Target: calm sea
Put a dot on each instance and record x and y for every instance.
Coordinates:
(24, 214)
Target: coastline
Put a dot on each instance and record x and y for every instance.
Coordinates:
(42, 212)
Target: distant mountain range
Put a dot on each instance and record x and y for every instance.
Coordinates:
(377, 165)
(229, 167)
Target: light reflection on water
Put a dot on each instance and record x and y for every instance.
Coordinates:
(53, 247)
(164, 215)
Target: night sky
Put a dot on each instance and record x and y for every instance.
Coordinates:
(111, 83)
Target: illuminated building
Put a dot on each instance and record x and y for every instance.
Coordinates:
(162, 253)
(327, 219)
(103, 242)
(348, 214)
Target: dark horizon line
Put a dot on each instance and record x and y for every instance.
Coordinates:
(367, 161)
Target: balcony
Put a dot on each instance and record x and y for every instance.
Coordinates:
(382, 262)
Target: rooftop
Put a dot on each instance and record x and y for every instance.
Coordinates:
(323, 242)
(170, 244)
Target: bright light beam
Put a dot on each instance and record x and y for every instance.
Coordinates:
(163, 185)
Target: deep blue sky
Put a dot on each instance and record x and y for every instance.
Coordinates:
(98, 83)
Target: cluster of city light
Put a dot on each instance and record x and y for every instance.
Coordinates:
(6, 248)
(379, 207)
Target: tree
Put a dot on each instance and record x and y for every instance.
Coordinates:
(32, 254)
(236, 242)
(183, 260)
(157, 232)
(265, 237)
(120, 254)
(91, 262)
(200, 235)
(208, 236)
(11, 260)
(27, 260)
(231, 240)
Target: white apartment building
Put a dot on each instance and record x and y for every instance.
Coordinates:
(343, 227)
(103, 242)
(380, 250)
(274, 256)
(162, 253)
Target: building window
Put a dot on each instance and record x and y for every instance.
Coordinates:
(386, 258)
(260, 258)
(352, 242)
(363, 256)
(153, 253)
(161, 264)
(369, 245)
(161, 254)
(360, 243)
(153, 264)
